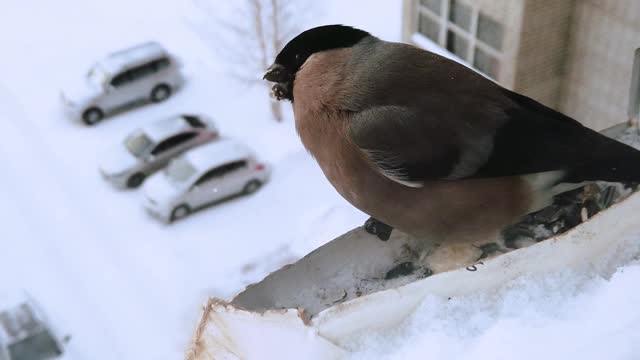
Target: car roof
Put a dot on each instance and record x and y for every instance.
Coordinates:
(159, 130)
(132, 56)
(218, 153)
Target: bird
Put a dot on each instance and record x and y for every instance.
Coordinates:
(425, 145)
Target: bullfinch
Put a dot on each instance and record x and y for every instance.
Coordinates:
(426, 145)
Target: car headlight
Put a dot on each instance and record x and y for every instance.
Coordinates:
(112, 175)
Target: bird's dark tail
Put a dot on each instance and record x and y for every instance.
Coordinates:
(606, 159)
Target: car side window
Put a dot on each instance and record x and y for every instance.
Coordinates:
(236, 165)
(172, 142)
(210, 175)
(221, 171)
(142, 71)
(159, 64)
(121, 79)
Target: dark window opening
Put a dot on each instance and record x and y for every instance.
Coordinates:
(433, 5)
(193, 121)
(460, 14)
(457, 45)
(428, 27)
(172, 142)
(490, 32)
(221, 171)
(121, 79)
(486, 63)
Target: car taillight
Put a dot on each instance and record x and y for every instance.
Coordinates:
(260, 167)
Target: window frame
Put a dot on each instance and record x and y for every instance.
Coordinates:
(634, 91)
(471, 36)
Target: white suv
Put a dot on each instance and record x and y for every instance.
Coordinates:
(132, 76)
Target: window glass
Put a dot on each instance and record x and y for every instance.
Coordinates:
(121, 79)
(213, 174)
(490, 31)
(433, 5)
(486, 63)
(137, 143)
(428, 27)
(457, 44)
(237, 165)
(460, 14)
(221, 171)
(141, 71)
(160, 64)
(173, 142)
(193, 121)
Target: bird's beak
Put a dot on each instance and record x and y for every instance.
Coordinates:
(277, 73)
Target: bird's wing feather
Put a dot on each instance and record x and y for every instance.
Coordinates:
(437, 120)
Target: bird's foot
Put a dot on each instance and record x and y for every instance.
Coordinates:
(375, 227)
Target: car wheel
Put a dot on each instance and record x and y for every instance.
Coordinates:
(135, 180)
(180, 212)
(251, 187)
(160, 93)
(92, 116)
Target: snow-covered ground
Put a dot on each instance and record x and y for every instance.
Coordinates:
(128, 287)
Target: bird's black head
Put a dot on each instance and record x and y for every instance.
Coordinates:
(298, 50)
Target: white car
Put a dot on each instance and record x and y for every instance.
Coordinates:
(202, 176)
(143, 73)
(25, 333)
(150, 148)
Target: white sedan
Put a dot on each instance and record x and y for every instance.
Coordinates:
(202, 176)
(150, 148)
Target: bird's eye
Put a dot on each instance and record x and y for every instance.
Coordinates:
(297, 56)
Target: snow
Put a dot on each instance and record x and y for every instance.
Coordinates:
(558, 316)
(125, 286)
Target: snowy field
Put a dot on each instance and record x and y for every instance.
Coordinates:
(128, 287)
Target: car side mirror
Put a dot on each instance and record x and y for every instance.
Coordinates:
(108, 87)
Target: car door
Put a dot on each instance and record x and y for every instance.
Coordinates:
(237, 177)
(208, 188)
(168, 148)
(128, 87)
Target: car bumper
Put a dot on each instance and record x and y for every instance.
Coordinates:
(119, 181)
(152, 208)
(70, 110)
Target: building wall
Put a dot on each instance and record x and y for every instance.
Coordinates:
(604, 38)
(573, 55)
(544, 43)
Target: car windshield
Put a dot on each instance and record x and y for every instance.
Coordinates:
(179, 170)
(97, 75)
(138, 143)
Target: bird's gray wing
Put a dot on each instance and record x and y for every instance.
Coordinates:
(420, 117)
(408, 147)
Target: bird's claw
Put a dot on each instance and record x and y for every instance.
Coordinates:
(375, 227)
